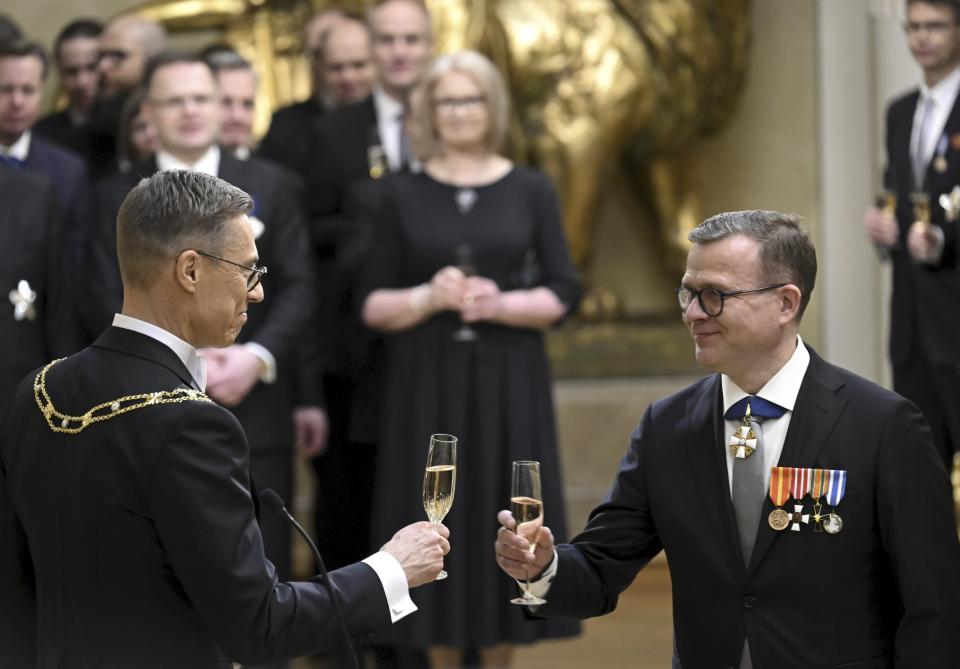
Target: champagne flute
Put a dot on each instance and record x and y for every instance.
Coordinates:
(440, 480)
(526, 505)
(465, 333)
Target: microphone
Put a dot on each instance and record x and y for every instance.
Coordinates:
(274, 503)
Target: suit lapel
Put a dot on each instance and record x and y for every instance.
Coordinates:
(935, 179)
(703, 430)
(815, 414)
(900, 129)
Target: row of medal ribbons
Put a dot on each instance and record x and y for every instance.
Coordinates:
(823, 485)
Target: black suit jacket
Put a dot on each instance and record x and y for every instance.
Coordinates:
(882, 591)
(134, 542)
(69, 174)
(31, 234)
(288, 140)
(925, 304)
(59, 129)
(340, 198)
(278, 323)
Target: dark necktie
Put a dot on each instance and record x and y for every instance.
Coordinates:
(406, 151)
(748, 491)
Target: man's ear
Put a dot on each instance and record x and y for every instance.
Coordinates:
(790, 298)
(187, 269)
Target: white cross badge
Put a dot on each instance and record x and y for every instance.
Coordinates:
(22, 299)
(798, 516)
(743, 442)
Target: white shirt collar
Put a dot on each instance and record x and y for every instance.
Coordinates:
(944, 92)
(19, 149)
(386, 105)
(209, 162)
(192, 359)
(389, 122)
(782, 389)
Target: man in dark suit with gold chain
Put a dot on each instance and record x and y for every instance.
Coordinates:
(255, 377)
(803, 510)
(128, 535)
(923, 161)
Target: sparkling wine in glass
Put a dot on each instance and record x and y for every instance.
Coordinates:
(465, 333)
(440, 480)
(526, 505)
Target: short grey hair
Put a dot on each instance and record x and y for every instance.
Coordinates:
(170, 212)
(426, 142)
(786, 252)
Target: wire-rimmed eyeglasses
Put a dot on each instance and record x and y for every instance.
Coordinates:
(256, 273)
(711, 299)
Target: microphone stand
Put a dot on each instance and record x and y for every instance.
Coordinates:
(275, 504)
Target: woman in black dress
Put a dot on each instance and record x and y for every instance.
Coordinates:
(469, 267)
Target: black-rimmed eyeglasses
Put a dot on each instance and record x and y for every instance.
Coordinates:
(256, 273)
(711, 299)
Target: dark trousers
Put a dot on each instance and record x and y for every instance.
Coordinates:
(935, 389)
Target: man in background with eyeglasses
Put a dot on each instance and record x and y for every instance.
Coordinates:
(770, 567)
(256, 376)
(128, 519)
(923, 161)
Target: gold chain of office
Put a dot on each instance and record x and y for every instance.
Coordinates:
(61, 422)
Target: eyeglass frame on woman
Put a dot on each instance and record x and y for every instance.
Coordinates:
(449, 105)
(256, 273)
(724, 294)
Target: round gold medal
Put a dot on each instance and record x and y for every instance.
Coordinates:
(779, 519)
(832, 523)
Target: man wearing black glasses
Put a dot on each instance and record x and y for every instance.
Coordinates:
(923, 161)
(128, 535)
(803, 510)
(256, 376)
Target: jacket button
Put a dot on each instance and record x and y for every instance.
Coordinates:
(749, 601)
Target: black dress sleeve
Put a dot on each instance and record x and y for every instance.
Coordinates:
(557, 270)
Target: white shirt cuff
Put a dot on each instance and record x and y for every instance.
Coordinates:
(394, 583)
(269, 374)
(541, 586)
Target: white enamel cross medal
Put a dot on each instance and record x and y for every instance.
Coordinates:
(743, 441)
(22, 299)
(797, 517)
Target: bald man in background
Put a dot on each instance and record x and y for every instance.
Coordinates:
(126, 44)
(284, 142)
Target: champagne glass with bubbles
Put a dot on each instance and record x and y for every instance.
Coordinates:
(526, 505)
(440, 479)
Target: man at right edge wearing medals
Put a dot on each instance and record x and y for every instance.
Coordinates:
(804, 512)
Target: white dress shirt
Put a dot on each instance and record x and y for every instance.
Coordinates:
(209, 163)
(389, 122)
(388, 570)
(191, 358)
(943, 95)
(782, 389)
(19, 149)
